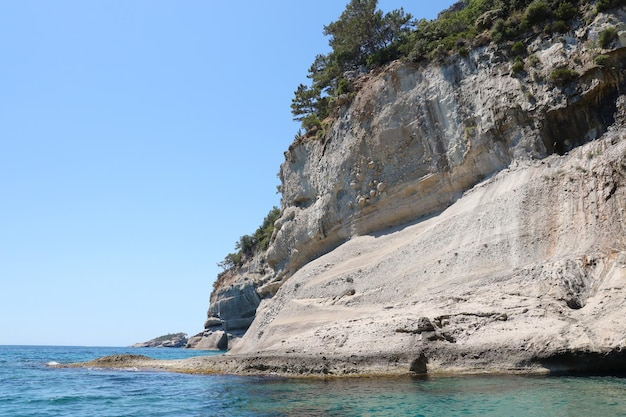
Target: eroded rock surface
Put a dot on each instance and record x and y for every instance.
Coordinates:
(527, 263)
(415, 138)
(455, 217)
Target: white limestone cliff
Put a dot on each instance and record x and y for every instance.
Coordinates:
(455, 214)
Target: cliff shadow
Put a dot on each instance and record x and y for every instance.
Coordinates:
(612, 363)
(589, 117)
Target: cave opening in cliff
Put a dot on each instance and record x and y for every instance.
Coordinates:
(582, 122)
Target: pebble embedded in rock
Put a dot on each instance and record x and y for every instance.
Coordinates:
(424, 325)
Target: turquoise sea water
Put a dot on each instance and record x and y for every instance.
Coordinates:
(29, 388)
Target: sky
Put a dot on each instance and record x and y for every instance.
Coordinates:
(139, 139)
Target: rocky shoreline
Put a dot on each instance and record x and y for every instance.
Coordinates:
(440, 361)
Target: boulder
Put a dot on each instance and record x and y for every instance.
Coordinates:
(424, 325)
(214, 340)
(213, 322)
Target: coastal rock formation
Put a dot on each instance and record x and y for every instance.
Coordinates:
(529, 262)
(172, 340)
(456, 216)
(426, 134)
(232, 310)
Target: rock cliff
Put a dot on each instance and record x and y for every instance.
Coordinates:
(456, 215)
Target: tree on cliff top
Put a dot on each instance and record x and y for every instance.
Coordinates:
(363, 31)
(362, 36)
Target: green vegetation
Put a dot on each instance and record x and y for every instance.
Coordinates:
(264, 232)
(519, 48)
(249, 245)
(518, 65)
(364, 38)
(601, 60)
(558, 27)
(607, 36)
(169, 336)
(566, 11)
(563, 76)
(604, 5)
(536, 12)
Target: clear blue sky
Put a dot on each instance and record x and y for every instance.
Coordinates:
(139, 139)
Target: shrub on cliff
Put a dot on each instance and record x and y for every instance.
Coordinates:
(264, 233)
(249, 245)
(604, 5)
(169, 336)
(362, 36)
(536, 12)
(566, 11)
(518, 66)
(601, 60)
(307, 101)
(607, 36)
(563, 76)
(231, 261)
(518, 48)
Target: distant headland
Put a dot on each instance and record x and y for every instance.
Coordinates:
(171, 340)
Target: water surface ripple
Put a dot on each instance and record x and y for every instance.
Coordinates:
(29, 388)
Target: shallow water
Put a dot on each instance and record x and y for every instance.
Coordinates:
(29, 388)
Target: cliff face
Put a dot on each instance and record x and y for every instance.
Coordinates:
(415, 138)
(530, 262)
(451, 205)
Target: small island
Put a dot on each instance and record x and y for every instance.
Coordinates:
(171, 340)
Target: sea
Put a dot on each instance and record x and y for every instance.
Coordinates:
(29, 387)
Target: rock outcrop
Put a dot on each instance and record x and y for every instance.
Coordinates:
(172, 340)
(529, 263)
(415, 138)
(232, 310)
(456, 216)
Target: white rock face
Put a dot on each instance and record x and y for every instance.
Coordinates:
(528, 263)
(429, 133)
(460, 195)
